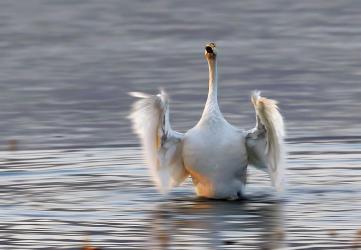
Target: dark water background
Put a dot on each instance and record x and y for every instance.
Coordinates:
(77, 173)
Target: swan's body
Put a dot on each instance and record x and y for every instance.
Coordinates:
(214, 153)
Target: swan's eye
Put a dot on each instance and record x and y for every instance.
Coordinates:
(209, 49)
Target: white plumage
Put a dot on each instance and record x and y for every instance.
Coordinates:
(162, 146)
(214, 153)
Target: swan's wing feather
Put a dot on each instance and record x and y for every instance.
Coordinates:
(265, 142)
(161, 145)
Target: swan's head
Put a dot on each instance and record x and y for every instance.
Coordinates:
(210, 51)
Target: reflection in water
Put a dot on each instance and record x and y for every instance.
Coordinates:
(210, 224)
(55, 198)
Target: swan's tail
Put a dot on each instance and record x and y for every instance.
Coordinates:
(270, 124)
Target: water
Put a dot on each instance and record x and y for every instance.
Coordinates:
(77, 173)
(56, 199)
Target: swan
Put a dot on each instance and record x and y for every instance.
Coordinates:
(213, 153)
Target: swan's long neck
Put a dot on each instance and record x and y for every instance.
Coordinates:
(212, 108)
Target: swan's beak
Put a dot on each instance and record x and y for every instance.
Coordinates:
(210, 51)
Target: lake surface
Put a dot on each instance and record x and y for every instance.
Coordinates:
(71, 171)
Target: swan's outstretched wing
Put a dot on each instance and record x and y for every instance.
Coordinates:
(161, 145)
(265, 141)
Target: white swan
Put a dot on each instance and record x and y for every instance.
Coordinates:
(214, 153)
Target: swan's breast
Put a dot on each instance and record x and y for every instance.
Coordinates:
(209, 151)
(216, 159)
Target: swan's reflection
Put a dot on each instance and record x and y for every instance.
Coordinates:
(208, 224)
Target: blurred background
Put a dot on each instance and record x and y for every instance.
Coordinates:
(71, 170)
(66, 66)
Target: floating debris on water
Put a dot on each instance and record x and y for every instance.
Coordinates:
(229, 242)
(12, 145)
(332, 232)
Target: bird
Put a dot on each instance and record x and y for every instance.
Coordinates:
(214, 153)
